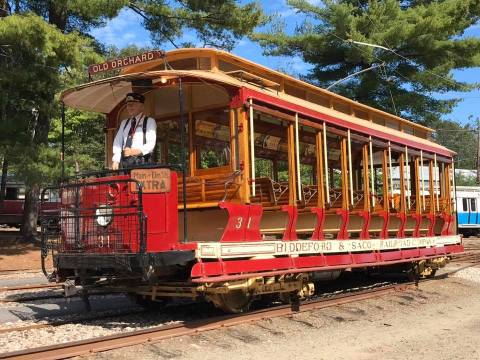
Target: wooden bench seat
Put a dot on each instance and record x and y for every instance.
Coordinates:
(208, 190)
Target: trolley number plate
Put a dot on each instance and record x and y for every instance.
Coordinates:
(153, 180)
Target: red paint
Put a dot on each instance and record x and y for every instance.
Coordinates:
(418, 221)
(345, 217)
(431, 226)
(427, 251)
(448, 220)
(123, 235)
(390, 255)
(241, 269)
(365, 258)
(290, 232)
(236, 100)
(318, 232)
(340, 259)
(271, 100)
(161, 210)
(365, 233)
(252, 232)
(11, 211)
(243, 222)
(386, 219)
(410, 253)
(310, 261)
(401, 228)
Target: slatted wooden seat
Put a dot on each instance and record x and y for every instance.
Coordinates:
(208, 191)
(263, 192)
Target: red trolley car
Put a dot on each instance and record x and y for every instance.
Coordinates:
(282, 184)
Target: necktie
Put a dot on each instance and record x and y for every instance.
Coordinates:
(131, 132)
(132, 127)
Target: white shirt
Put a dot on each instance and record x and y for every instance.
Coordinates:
(137, 141)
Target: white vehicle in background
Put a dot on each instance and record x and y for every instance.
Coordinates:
(468, 216)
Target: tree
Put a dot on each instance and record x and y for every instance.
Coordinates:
(419, 43)
(33, 54)
(460, 138)
(217, 23)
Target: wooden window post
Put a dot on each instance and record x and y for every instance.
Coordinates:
(319, 170)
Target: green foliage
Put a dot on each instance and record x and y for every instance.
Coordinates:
(84, 140)
(263, 168)
(71, 15)
(464, 180)
(425, 38)
(460, 138)
(217, 23)
(36, 58)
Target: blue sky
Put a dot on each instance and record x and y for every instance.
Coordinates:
(126, 29)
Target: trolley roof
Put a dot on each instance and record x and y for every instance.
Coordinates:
(215, 66)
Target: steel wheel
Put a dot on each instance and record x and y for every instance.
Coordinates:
(235, 301)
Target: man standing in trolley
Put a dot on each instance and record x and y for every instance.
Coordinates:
(135, 140)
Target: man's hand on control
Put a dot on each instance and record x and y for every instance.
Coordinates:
(131, 152)
(115, 165)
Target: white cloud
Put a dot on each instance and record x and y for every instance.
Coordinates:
(125, 29)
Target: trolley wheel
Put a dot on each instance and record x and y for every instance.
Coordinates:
(235, 301)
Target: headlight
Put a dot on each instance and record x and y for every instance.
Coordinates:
(104, 215)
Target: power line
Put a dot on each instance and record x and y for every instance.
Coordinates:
(388, 48)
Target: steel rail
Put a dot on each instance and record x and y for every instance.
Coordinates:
(57, 323)
(155, 334)
(30, 287)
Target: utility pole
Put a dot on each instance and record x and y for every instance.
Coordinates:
(478, 150)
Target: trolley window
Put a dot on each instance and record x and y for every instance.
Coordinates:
(473, 205)
(212, 138)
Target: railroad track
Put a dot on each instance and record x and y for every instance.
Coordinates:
(158, 333)
(22, 271)
(30, 287)
(65, 322)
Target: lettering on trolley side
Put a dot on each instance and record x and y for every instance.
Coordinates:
(294, 247)
(152, 180)
(126, 61)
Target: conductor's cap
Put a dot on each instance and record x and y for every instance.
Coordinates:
(135, 97)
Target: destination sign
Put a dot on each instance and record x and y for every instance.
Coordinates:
(152, 180)
(126, 61)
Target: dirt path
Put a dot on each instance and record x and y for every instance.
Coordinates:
(441, 320)
(15, 255)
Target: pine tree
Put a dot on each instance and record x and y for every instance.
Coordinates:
(419, 43)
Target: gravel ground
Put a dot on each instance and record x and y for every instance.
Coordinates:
(424, 322)
(439, 321)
